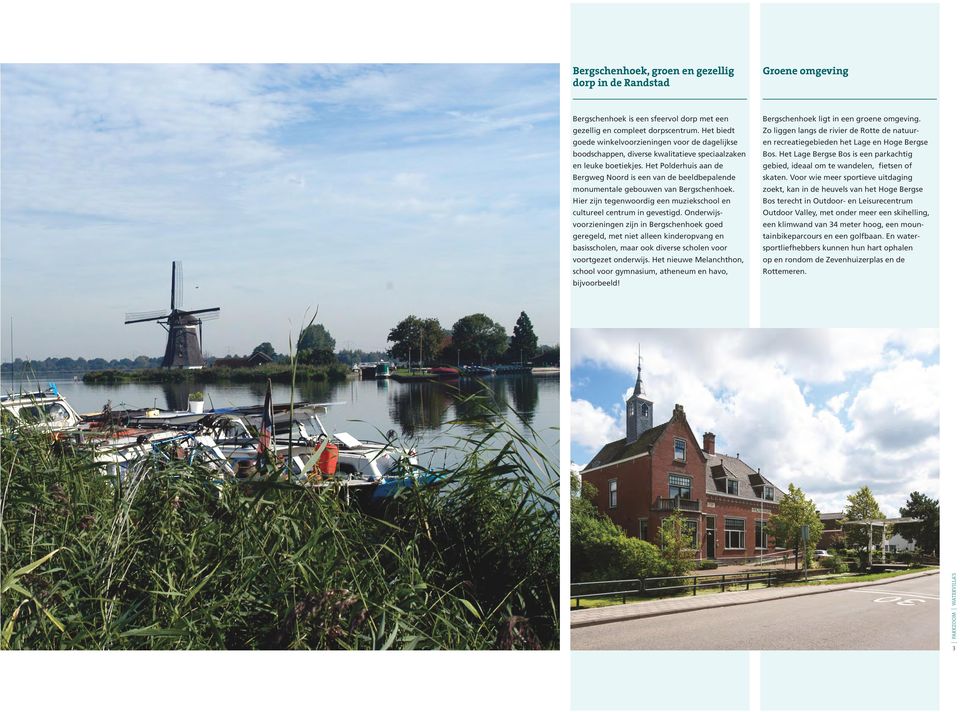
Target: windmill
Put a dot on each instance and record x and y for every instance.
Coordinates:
(184, 327)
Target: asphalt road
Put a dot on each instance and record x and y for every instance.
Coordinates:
(901, 615)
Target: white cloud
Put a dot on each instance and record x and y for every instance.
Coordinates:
(899, 409)
(591, 426)
(837, 402)
(829, 410)
(297, 167)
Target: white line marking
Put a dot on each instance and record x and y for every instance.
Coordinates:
(898, 593)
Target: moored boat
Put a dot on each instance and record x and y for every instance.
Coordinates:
(477, 371)
(42, 410)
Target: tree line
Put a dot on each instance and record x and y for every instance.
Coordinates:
(472, 339)
(797, 510)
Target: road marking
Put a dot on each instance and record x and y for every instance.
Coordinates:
(896, 593)
(898, 601)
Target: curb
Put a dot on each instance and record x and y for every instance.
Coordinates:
(800, 591)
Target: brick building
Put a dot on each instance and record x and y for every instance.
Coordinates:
(832, 530)
(643, 478)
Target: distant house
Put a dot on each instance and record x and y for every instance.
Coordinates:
(257, 358)
(656, 470)
(832, 536)
(897, 543)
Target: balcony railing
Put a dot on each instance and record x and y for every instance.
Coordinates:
(664, 504)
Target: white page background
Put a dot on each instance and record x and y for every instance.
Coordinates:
(396, 32)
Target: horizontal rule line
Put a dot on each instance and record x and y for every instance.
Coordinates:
(627, 98)
(830, 98)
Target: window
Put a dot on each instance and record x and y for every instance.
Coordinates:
(761, 535)
(693, 530)
(679, 487)
(733, 533)
(630, 409)
(733, 487)
(680, 450)
(644, 410)
(644, 530)
(612, 494)
(49, 413)
(768, 492)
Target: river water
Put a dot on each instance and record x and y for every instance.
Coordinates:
(431, 416)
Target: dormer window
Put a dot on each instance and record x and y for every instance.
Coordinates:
(733, 487)
(768, 492)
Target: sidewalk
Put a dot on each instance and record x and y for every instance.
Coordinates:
(646, 609)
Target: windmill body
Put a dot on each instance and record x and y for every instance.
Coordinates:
(184, 327)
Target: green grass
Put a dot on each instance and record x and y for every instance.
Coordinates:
(168, 559)
(411, 371)
(861, 578)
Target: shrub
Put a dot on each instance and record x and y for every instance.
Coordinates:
(835, 565)
(599, 549)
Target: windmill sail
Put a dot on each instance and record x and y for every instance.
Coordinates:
(183, 326)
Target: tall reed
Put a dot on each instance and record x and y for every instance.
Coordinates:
(169, 558)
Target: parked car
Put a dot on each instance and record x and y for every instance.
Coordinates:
(820, 554)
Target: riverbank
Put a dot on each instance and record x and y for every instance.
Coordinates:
(277, 373)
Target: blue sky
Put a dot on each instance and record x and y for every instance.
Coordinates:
(829, 410)
(371, 191)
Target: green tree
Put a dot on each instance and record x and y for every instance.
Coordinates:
(861, 506)
(266, 348)
(479, 338)
(413, 334)
(796, 510)
(316, 337)
(549, 356)
(925, 533)
(523, 343)
(316, 357)
(677, 544)
(599, 549)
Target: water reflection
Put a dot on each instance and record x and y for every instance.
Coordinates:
(420, 407)
(176, 394)
(525, 393)
(315, 392)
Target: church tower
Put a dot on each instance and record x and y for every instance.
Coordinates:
(639, 408)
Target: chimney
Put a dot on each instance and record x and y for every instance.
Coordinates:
(677, 410)
(709, 442)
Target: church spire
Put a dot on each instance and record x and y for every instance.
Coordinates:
(639, 390)
(639, 407)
